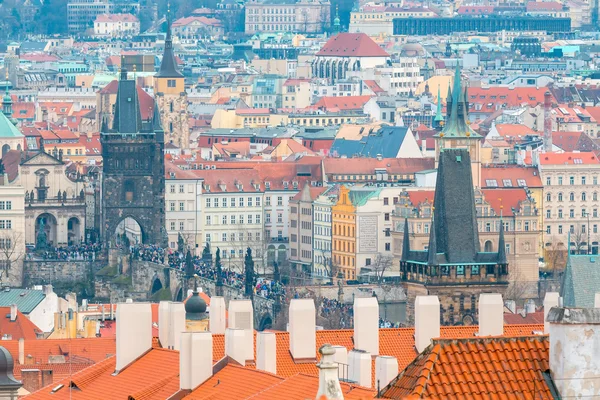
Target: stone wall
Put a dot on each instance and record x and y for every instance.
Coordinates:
(51, 271)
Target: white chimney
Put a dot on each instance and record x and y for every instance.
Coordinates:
(129, 300)
(427, 321)
(21, 351)
(303, 323)
(359, 367)
(386, 369)
(266, 352)
(195, 359)
(235, 345)
(597, 300)
(574, 351)
(530, 306)
(491, 314)
(550, 300)
(13, 312)
(134, 332)
(163, 323)
(366, 324)
(176, 324)
(216, 315)
(341, 357)
(47, 290)
(329, 384)
(241, 316)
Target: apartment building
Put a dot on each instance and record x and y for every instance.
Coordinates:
(184, 209)
(307, 16)
(570, 200)
(322, 206)
(12, 221)
(378, 19)
(81, 14)
(116, 25)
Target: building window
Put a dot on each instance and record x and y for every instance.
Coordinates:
(171, 83)
(172, 189)
(560, 230)
(388, 246)
(386, 201)
(583, 180)
(172, 206)
(232, 219)
(571, 213)
(268, 219)
(548, 229)
(571, 196)
(181, 189)
(207, 203)
(257, 202)
(279, 217)
(386, 216)
(279, 201)
(208, 220)
(249, 218)
(526, 226)
(548, 214)
(583, 196)
(560, 180)
(232, 202)
(560, 197)
(224, 202)
(224, 219)
(268, 201)
(571, 180)
(181, 225)
(548, 197)
(224, 237)
(548, 181)
(172, 225)
(181, 206)
(241, 202)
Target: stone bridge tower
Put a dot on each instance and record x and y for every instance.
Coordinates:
(133, 180)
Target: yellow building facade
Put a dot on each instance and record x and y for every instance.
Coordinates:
(343, 244)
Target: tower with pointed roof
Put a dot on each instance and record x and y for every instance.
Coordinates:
(457, 132)
(171, 97)
(453, 267)
(133, 178)
(438, 121)
(336, 22)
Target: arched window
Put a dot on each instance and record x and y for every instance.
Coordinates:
(128, 190)
(595, 196)
(583, 196)
(5, 149)
(548, 197)
(560, 197)
(571, 196)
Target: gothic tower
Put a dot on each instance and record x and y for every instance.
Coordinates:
(170, 95)
(133, 179)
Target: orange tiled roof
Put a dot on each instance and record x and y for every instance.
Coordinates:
(483, 368)
(499, 174)
(512, 130)
(84, 350)
(352, 45)
(342, 102)
(20, 328)
(490, 97)
(570, 158)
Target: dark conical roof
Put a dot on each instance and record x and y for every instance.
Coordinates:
(168, 66)
(405, 242)
(7, 379)
(501, 246)
(432, 248)
(128, 117)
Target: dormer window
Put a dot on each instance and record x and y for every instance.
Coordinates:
(285, 184)
(268, 185)
(295, 184)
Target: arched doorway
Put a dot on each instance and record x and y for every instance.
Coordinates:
(281, 254)
(156, 285)
(270, 254)
(74, 231)
(48, 221)
(487, 247)
(128, 232)
(5, 149)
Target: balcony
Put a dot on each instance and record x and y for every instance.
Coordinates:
(279, 239)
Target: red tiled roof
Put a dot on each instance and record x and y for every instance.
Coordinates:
(512, 130)
(342, 102)
(514, 173)
(474, 10)
(352, 45)
(505, 201)
(201, 20)
(529, 318)
(483, 368)
(38, 57)
(368, 165)
(20, 328)
(567, 141)
(146, 101)
(374, 86)
(570, 158)
(544, 6)
(23, 110)
(116, 18)
(512, 97)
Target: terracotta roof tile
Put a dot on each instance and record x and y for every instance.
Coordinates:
(570, 158)
(352, 45)
(514, 174)
(20, 328)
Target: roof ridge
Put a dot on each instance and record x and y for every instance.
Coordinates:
(149, 391)
(83, 378)
(430, 368)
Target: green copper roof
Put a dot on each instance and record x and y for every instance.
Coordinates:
(438, 114)
(581, 281)
(360, 197)
(7, 129)
(25, 299)
(457, 126)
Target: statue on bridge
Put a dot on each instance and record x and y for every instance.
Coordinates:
(206, 255)
(219, 277)
(249, 273)
(189, 266)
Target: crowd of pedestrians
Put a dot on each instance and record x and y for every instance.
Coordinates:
(78, 252)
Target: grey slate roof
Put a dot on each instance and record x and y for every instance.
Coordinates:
(25, 299)
(385, 141)
(581, 281)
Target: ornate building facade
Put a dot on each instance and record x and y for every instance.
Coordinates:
(171, 97)
(133, 181)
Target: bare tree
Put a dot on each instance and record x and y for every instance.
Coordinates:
(11, 251)
(519, 288)
(555, 255)
(381, 264)
(579, 238)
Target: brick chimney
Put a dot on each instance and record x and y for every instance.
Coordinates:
(266, 352)
(574, 351)
(329, 384)
(216, 315)
(134, 332)
(427, 321)
(491, 314)
(302, 328)
(47, 377)
(195, 359)
(176, 324)
(366, 324)
(359, 367)
(550, 300)
(163, 323)
(241, 316)
(235, 344)
(386, 369)
(31, 379)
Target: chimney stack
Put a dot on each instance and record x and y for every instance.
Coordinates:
(427, 321)
(597, 300)
(13, 312)
(547, 122)
(366, 324)
(134, 332)
(491, 314)
(386, 369)
(329, 384)
(163, 323)
(216, 315)
(574, 351)
(22, 351)
(359, 367)
(241, 316)
(195, 359)
(266, 352)
(550, 300)
(47, 377)
(303, 325)
(176, 324)
(235, 345)
(31, 379)
(341, 357)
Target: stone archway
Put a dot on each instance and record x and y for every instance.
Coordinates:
(73, 231)
(5, 149)
(266, 322)
(50, 227)
(156, 285)
(128, 231)
(180, 295)
(487, 247)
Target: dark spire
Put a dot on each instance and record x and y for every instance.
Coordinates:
(168, 66)
(448, 102)
(128, 118)
(432, 247)
(501, 245)
(456, 125)
(439, 117)
(405, 242)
